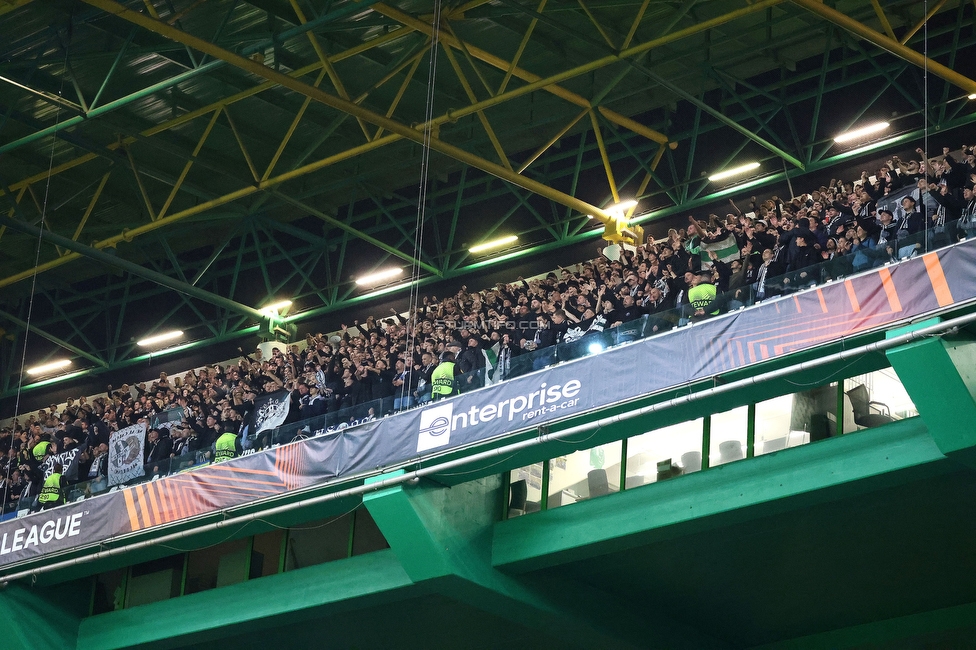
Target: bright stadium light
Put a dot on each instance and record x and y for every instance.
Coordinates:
(735, 171)
(379, 276)
(159, 338)
(595, 348)
(495, 243)
(274, 308)
(973, 96)
(49, 367)
(617, 210)
(862, 132)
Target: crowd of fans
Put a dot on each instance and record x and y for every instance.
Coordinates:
(382, 366)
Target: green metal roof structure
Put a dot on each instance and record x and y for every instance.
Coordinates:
(178, 164)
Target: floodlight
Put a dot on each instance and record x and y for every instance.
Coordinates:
(862, 132)
(735, 171)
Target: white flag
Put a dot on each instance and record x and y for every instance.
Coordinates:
(126, 450)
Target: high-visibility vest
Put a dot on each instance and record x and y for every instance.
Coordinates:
(701, 295)
(51, 492)
(443, 379)
(226, 447)
(40, 449)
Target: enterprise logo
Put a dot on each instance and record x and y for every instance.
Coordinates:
(435, 427)
(438, 422)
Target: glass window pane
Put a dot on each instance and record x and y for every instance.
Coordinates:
(728, 436)
(525, 493)
(216, 566)
(793, 420)
(266, 553)
(109, 591)
(664, 453)
(874, 399)
(151, 582)
(584, 474)
(318, 542)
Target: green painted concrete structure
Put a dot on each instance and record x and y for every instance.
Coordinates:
(859, 540)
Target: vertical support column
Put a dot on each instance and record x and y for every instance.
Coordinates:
(706, 440)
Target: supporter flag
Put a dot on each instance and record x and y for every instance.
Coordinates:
(271, 410)
(126, 451)
(491, 360)
(726, 250)
(67, 459)
(893, 201)
(167, 418)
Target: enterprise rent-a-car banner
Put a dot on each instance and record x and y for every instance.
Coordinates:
(774, 328)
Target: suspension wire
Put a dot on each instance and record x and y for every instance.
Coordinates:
(37, 259)
(416, 270)
(925, 120)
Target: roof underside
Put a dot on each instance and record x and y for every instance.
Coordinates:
(163, 137)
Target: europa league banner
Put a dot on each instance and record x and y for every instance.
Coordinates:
(865, 302)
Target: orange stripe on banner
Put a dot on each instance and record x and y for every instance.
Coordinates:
(889, 287)
(855, 305)
(240, 488)
(799, 309)
(167, 509)
(153, 503)
(143, 507)
(130, 508)
(227, 467)
(764, 351)
(173, 495)
(938, 279)
(823, 302)
(235, 479)
(186, 502)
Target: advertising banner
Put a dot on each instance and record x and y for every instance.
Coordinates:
(126, 454)
(772, 329)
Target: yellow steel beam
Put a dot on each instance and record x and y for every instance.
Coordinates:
(13, 210)
(414, 64)
(240, 144)
(139, 184)
(10, 5)
(346, 106)
(206, 110)
(521, 47)
(596, 23)
(603, 154)
(914, 30)
(885, 24)
(411, 24)
(398, 131)
(189, 164)
(333, 75)
(291, 129)
(481, 114)
(553, 140)
(647, 179)
(91, 206)
(888, 44)
(635, 24)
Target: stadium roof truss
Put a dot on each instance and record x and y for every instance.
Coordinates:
(181, 163)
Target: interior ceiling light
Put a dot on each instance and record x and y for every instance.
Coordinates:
(159, 338)
(735, 171)
(862, 132)
(495, 243)
(276, 307)
(379, 276)
(49, 367)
